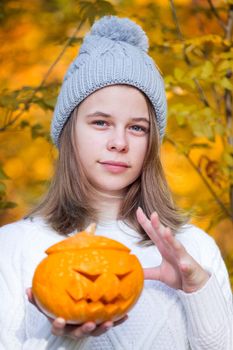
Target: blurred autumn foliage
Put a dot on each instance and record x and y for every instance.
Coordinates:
(191, 41)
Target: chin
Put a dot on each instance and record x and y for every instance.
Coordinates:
(113, 187)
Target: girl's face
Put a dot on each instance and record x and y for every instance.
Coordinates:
(112, 132)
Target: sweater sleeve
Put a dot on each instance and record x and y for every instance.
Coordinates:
(22, 326)
(12, 295)
(209, 311)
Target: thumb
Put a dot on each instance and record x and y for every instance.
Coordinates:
(193, 277)
(152, 273)
(187, 270)
(28, 292)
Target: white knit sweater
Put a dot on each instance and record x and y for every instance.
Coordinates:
(162, 319)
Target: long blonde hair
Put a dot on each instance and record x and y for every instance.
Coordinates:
(67, 206)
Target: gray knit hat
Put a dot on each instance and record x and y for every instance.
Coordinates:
(113, 52)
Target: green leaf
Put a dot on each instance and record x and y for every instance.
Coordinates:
(169, 80)
(37, 131)
(226, 55)
(89, 10)
(2, 188)
(207, 70)
(228, 159)
(75, 41)
(46, 103)
(224, 65)
(202, 129)
(180, 119)
(178, 74)
(226, 83)
(7, 205)
(182, 148)
(3, 175)
(219, 129)
(50, 102)
(194, 73)
(24, 123)
(200, 145)
(9, 100)
(190, 83)
(208, 131)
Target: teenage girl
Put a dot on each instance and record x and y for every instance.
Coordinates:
(108, 126)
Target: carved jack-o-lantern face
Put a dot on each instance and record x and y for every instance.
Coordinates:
(87, 278)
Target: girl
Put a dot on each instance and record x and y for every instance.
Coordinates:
(108, 125)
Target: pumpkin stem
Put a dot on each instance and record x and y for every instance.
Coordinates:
(91, 228)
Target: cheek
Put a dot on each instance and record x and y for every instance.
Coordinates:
(89, 151)
(87, 140)
(139, 152)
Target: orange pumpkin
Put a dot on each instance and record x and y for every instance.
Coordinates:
(87, 278)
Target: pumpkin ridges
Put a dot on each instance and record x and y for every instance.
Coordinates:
(112, 310)
(91, 283)
(81, 240)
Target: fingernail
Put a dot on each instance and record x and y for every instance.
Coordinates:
(27, 290)
(90, 328)
(60, 321)
(108, 325)
(140, 211)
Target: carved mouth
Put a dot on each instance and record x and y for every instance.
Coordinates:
(104, 302)
(103, 299)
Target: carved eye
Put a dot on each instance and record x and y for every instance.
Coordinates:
(92, 278)
(121, 277)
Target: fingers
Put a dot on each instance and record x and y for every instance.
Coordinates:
(151, 225)
(104, 327)
(158, 233)
(152, 273)
(29, 295)
(174, 244)
(116, 323)
(60, 328)
(146, 225)
(32, 300)
(178, 268)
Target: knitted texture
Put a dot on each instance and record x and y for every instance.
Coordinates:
(162, 319)
(114, 52)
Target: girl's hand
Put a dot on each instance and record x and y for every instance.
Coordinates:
(178, 269)
(60, 328)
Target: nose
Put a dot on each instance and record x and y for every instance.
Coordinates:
(118, 141)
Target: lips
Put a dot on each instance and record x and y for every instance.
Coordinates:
(114, 163)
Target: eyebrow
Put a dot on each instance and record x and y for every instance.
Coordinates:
(105, 115)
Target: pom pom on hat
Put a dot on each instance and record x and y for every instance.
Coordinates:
(121, 29)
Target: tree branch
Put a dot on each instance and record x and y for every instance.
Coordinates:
(175, 19)
(28, 102)
(228, 95)
(211, 190)
(216, 14)
(202, 95)
(200, 90)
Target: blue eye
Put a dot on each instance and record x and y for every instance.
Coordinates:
(99, 122)
(139, 128)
